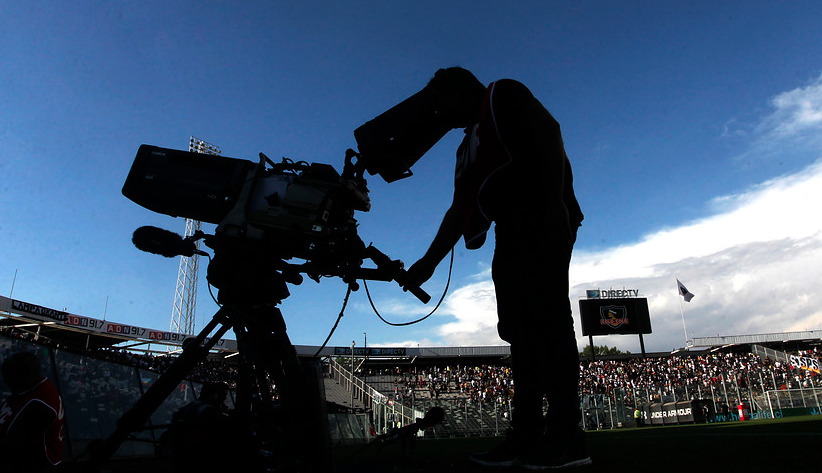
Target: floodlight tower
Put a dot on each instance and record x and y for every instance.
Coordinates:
(185, 295)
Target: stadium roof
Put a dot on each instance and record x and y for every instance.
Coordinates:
(78, 339)
(764, 338)
(409, 352)
(79, 331)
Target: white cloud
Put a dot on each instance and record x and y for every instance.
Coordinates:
(416, 343)
(796, 111)
(754, 269)
(780, 208)
(475, 308)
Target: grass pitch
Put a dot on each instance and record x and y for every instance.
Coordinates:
(767, 445)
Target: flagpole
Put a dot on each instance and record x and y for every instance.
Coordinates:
(681, 312)
(12, 283)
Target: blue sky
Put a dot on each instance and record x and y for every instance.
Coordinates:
(693, 130)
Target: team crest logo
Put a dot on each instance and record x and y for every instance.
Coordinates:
(613, 316)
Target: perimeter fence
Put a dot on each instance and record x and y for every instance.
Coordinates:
(613, 391)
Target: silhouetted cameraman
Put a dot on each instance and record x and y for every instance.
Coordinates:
(512, 170)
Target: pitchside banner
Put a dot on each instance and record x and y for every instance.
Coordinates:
(615, 316)
(59, 317)
(675, 413)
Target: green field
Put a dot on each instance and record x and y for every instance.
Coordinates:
(768, 445)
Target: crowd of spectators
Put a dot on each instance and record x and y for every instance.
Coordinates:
(690, 376)
(208, 371)
(473, 384)
(680, 376)
(724, 377)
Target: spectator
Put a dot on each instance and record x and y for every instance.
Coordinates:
(202, 434)
(31, 420)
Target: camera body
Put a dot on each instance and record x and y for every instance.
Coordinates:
(303, 210)
(295, 209)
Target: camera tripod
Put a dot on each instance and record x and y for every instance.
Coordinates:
(286, 430)
(289, 426)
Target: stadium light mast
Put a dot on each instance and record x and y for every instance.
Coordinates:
(185, 295)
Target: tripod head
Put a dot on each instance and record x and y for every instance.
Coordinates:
(250, 268)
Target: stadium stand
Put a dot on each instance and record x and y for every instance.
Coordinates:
(101, 374)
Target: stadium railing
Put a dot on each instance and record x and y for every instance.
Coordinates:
(387, 413)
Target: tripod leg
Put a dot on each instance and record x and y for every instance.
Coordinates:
(317, 415)
(304, 432)
(139, 414)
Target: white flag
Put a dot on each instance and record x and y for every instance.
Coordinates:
(684, 292)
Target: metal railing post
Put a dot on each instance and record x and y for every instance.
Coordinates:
(815, 394)
(770, 404)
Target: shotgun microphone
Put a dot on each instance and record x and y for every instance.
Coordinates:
(163, 242)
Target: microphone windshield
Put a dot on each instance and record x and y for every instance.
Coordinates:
(162, 242)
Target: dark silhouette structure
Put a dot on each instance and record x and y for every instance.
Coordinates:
(202, 434)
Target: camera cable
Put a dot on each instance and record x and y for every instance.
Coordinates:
(374, 307)
(334, 328)
(403, 324)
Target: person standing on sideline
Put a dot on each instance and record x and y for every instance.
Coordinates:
(512, 170)
(31, 419)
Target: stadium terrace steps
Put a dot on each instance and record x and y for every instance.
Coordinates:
(462, 418)
(338, 394)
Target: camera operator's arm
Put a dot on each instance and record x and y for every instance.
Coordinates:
(447, 236)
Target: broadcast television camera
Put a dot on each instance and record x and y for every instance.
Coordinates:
(296, 209)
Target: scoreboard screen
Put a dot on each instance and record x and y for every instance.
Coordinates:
(615, 316)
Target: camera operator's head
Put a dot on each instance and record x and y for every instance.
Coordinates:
(458, 94)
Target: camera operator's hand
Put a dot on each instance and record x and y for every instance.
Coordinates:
(447, 236)
(420, 272)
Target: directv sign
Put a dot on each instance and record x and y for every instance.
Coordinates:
(375, 352)
(611, 293)
(614, 316)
